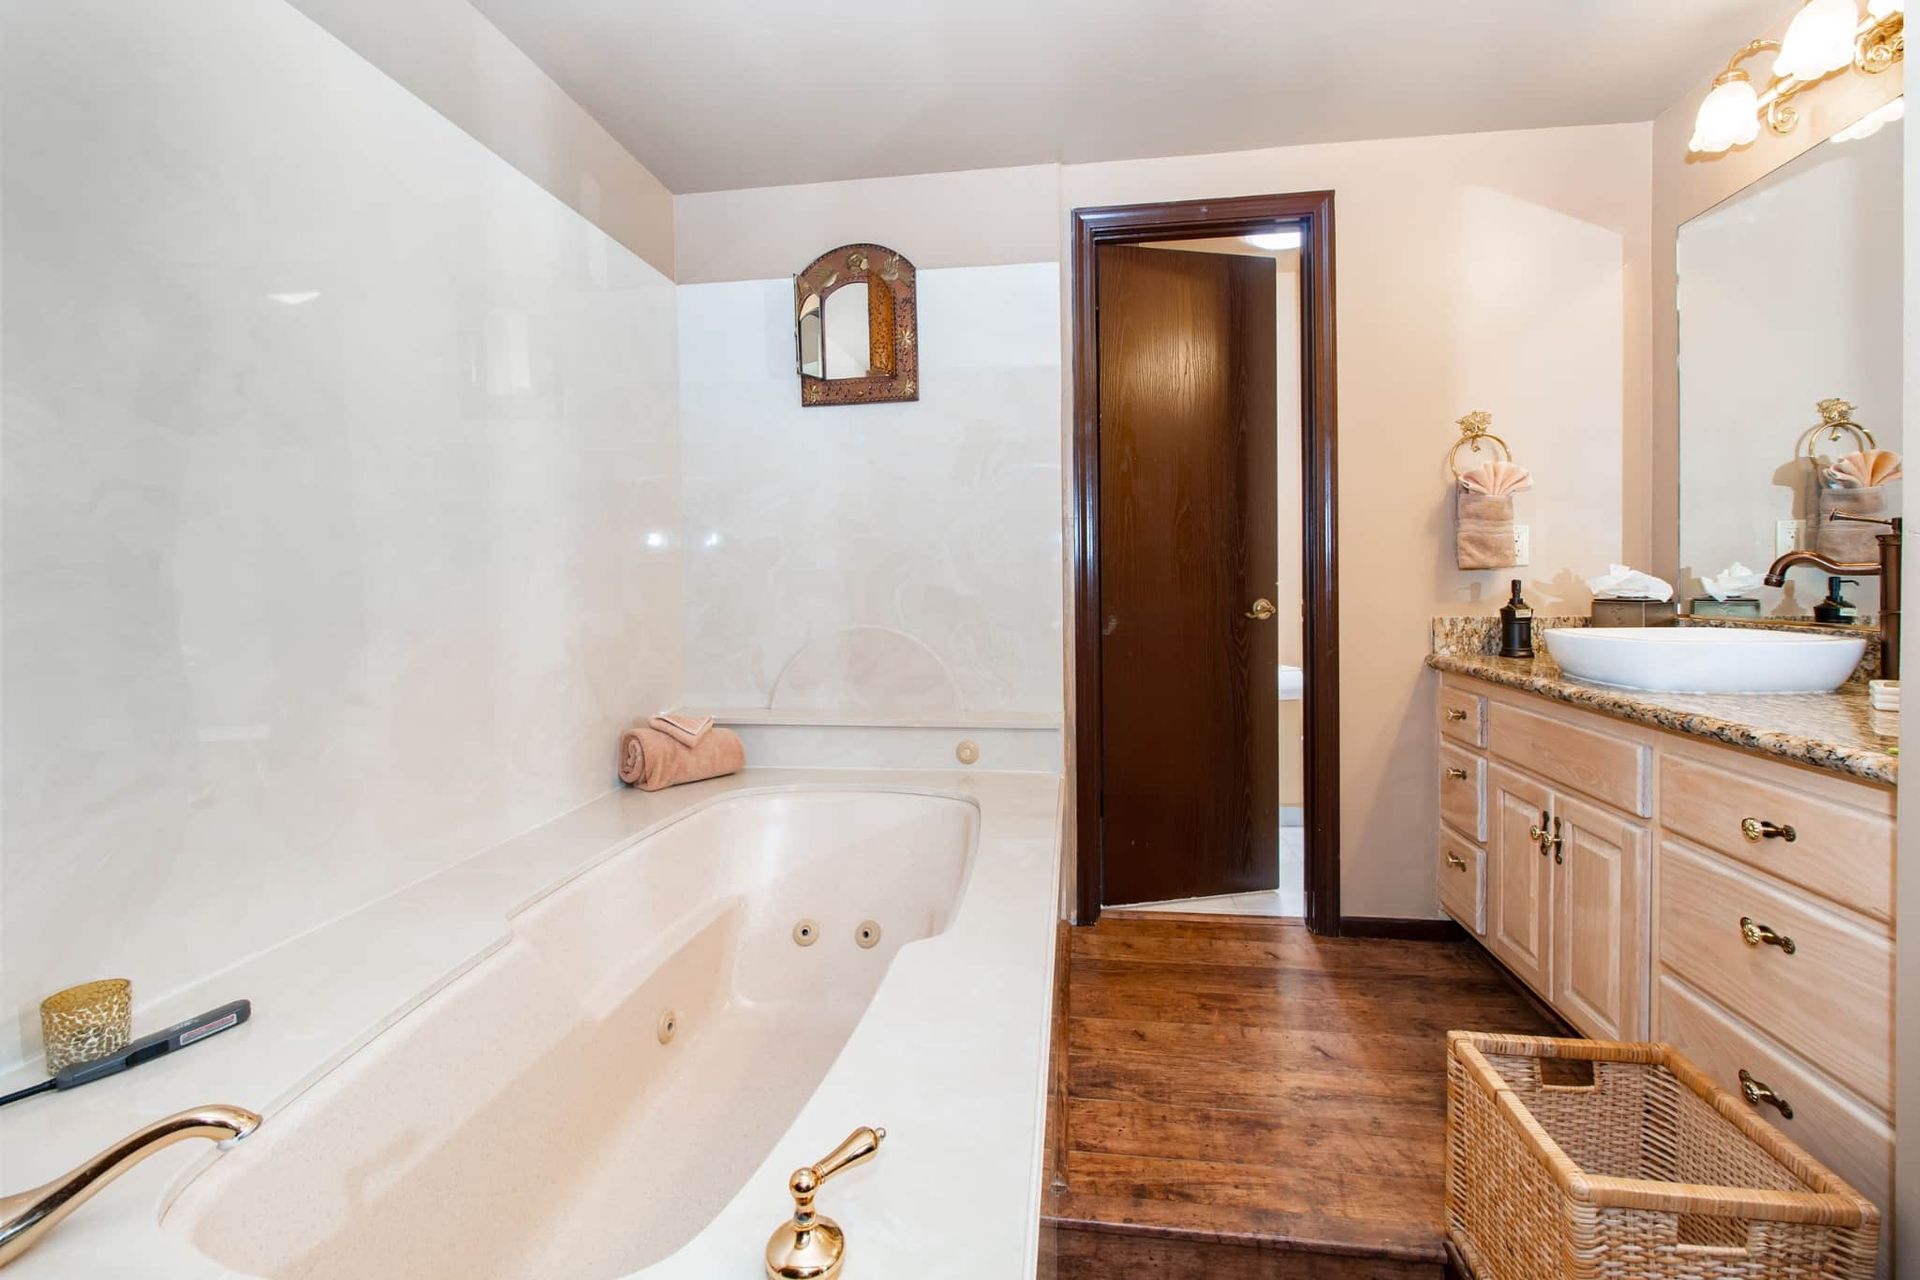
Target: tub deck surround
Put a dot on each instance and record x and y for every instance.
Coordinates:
(950, 1053)
(1837, 731)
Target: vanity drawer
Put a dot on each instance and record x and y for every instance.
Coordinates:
(1839, 851)
(1830, 1000)
(1463, 716)
(1851, 1139)
(1463, 791)
(1608, 768)
(1463, 881)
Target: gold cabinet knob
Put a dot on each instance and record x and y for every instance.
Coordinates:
(1756, 934)
(1755, 831)
(1455, 861)
(1262, 610)
(811, 1246)
(1756, 1093)
(1457, 775)
(1456, 713)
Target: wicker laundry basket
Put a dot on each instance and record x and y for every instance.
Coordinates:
(1635, 1167)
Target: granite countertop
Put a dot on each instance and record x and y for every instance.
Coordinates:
(1838, 731)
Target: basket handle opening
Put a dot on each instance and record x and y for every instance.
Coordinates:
(1701, 1235)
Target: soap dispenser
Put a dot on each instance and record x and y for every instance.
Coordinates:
(1516, 626)
(1836, 609)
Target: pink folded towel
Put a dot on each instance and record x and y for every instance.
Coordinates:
(652, 761)
(683, 727)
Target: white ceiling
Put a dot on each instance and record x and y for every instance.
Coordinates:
(718, 94)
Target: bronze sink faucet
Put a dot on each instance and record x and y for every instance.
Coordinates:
(1887, 569)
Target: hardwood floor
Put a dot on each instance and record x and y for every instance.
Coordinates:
(1241, 1099)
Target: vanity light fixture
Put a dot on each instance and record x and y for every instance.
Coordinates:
(1276, 240)
(1874, 121)
(1824, 38)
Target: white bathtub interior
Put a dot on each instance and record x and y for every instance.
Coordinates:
(531, 1120)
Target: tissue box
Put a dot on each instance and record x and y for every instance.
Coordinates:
(1632, 613)
(1732, 607)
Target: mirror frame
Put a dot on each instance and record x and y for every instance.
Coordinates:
(892, 326)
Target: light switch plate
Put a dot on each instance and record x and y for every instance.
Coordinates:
(1522, 544)
(1789, 535)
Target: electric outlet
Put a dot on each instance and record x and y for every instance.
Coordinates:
(1789, 535)
(1522, 544)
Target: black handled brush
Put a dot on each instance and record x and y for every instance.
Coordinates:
(145, 1049)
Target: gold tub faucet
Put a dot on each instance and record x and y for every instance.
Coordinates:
(26, 1217)
(811, 1246)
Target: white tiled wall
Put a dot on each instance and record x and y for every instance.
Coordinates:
(338, 492)
(938, 519)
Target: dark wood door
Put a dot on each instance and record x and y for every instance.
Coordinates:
(1190, 736)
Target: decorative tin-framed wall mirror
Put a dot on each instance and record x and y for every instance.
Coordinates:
(856, 339)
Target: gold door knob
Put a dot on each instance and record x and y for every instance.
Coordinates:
(1456, 775)
(1756, 1093)
(1262, 610)
(1756, 934)
(1755, 831)
(1456, 862)
(812, 1246)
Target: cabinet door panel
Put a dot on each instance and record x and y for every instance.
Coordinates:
(1600, 939)
(1519, 876)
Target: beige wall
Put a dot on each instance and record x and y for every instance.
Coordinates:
(1907, 1045)
(1685, 185)
(1504, 271)
(450, 57)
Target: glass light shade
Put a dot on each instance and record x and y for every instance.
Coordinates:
(1873, 122)
(1819, 40)
(1880, 10)
(1728, 118)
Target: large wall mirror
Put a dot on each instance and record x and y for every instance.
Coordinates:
(1790, 365)
(856, 337)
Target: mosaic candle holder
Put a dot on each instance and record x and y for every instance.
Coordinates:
(86, 1022)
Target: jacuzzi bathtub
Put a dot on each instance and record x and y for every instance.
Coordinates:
(621, 1088)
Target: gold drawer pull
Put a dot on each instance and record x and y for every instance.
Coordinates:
(1755, 831)
(1756, 1093)
(1457, 775)
(1456, 713)
(1756, 934)
(1454, 861)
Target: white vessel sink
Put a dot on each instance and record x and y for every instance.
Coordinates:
(1706, 659)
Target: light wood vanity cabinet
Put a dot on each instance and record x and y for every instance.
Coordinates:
(1520, 875)
(1600, 962)
(1646, 884)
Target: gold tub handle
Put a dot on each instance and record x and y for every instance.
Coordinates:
(811, 1246)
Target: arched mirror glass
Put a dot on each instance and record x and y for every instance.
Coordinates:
(847, 349)
(812, 339)
(856, 338)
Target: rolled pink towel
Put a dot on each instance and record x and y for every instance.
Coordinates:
(652, 761)
(684, 727)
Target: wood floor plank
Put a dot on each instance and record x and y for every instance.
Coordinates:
(1243, 1099)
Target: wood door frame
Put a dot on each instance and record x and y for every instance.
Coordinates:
(1190, 220)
